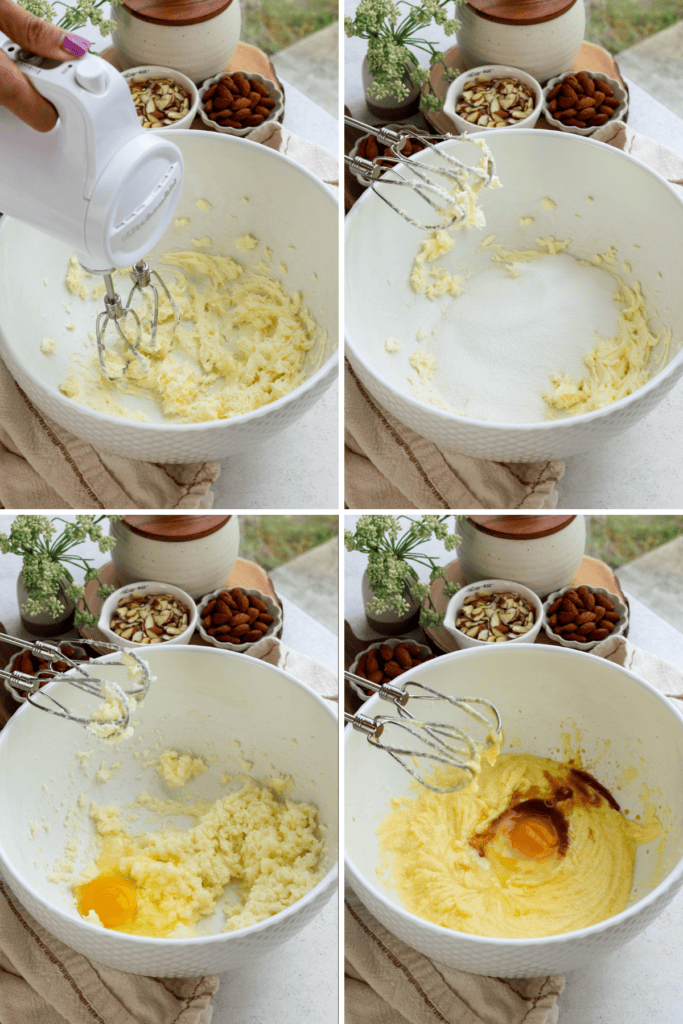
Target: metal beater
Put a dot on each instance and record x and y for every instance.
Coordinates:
(440, 743)
(446, 200)
(24, 687)
(114, 312)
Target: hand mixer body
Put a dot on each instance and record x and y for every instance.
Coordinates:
(98, 180)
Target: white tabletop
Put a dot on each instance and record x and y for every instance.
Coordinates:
(641, 982)
(636, 473)
(298, 981)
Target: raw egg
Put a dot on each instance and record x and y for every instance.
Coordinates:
(113, 898)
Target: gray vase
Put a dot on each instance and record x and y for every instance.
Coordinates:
(45, 623)
(389, 623)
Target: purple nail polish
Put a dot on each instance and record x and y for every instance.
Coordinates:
(76, 45)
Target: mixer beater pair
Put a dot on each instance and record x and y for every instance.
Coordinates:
(114, 312)
(25, 687)
(436, 743)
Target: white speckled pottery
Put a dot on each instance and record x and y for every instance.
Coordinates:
(544, 557)
(199, 50)
(197, 562)
(543, 49)
(537, 689)
(457, 87)
(153, 71)
(223, 706)
(142, 589)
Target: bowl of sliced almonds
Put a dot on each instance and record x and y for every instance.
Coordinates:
(494, 611)
(491, 97)
(163, 98)
(148, 613)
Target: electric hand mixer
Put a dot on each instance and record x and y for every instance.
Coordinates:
(98, 181)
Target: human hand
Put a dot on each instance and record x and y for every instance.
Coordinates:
(31, 33)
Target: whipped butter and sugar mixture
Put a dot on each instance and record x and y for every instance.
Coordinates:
(516, 314)
(244, 341)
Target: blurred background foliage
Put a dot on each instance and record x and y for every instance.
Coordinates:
(616, 24)
(619, 539)
(271, 540)
(274, 24)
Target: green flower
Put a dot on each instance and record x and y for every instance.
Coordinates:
(75, 15)
(393, 558)
(48, 558)
(394, 32)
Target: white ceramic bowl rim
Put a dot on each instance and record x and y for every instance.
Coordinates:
(618, 626)
(488, 942)
(141, 585)
(278, 96)
(184, 428)
(149, 71)
(551, 426)
(138, 941)
(493, 71)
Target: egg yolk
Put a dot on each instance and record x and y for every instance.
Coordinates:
(533, 838)
(114, 900)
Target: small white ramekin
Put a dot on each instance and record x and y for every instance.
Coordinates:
(619, 607)
(490, 71)
(273, 93)
(492, 587)
(273, 609)
(617, 89)
(109, 607)
(152, 71)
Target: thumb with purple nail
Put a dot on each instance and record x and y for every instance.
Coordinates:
(31, 33)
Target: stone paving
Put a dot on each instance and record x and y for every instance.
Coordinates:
(656, 579)
(656, 65)
(311, 581)
(312, 66)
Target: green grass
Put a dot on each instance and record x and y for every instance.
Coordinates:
(620, 539)
(274, 24)
(616, 24)
(272, 540)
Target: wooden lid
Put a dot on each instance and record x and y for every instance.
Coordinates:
(176, 12)
(520, 527)
(175, 528)
(519, 12)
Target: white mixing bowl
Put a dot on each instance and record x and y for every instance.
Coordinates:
(604, 198)
(287, 207)
(541, 693)
(202, 700)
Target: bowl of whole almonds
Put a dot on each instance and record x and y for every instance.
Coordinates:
(385, 660)
(493, 97)
(163, 98)
(236, 103)
(581, 617)
(494, 611)
(581, 102)
(148, 613)
(235, 618)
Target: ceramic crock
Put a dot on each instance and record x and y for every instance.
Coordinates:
(196, 37)
(540, 552)
(196, 553)
(390, 107)
(541, 37)
(390, 623)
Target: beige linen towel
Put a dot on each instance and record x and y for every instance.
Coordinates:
(389, 466)
(387, 982)
(42, 465)
(303, 667)
(42, 981)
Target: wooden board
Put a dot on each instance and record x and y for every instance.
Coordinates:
(245, 574)
(246, 58)
(591, 57)
(591, 572)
